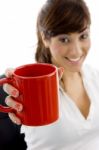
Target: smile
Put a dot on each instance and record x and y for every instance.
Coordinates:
(74, 60)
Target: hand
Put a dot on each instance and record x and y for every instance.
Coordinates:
(13, 93)
(60, 72)
(10, 100)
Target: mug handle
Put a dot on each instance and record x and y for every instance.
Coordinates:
(4, 108)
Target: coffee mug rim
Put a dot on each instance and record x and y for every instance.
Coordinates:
(42, 76)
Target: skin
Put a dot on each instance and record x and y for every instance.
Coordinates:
(69, 52)
(69, 46)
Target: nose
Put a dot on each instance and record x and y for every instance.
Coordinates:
(76, 49)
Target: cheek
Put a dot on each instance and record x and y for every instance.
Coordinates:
(56, 49)
(87, 46)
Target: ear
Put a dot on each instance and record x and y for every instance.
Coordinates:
(45, 40)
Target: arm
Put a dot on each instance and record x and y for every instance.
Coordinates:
(10, 137)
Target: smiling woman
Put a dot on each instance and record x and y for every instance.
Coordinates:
(63, 39)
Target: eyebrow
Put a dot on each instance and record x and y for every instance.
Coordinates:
(66, 34)
(84, 29)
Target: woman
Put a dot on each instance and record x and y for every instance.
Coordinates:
(63, 31)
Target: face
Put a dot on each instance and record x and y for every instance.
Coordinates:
(70, 50)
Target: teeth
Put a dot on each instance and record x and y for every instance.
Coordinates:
(76, 59)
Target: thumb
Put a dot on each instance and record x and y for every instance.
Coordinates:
(9, 72)
(60, 72)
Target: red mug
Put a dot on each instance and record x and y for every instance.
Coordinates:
(38, 87)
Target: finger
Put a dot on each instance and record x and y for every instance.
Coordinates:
(9, 72)
(13, 104)
(9, 89)
(14, 118)
(60, 72)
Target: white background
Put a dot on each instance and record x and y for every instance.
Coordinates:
(18, 32)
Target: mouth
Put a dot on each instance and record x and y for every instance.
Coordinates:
(74, 60)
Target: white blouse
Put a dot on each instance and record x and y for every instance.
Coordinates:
(71, 131)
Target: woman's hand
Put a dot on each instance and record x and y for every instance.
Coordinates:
(13, 93)
(10, 100)
(60, 72)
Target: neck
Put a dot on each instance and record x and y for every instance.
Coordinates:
(68, 76)
(70, 79)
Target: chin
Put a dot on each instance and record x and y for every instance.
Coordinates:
(74, 68)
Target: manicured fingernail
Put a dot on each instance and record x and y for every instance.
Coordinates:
(18, 107)
(14, 93)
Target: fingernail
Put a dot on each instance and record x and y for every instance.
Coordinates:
(17, 122)
(14, 93)
(18, 107)
(9, 73)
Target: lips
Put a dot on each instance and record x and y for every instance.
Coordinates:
(73, 60)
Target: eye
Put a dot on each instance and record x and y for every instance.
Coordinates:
(64, 39)
(84, 36)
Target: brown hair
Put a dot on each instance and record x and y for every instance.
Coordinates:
(57, 17)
